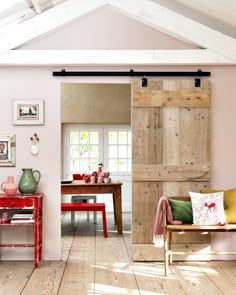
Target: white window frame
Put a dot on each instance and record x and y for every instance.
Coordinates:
(67, 128)
(126, 128)
(103, 144)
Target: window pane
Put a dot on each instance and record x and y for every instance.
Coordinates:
(129, 151)
(94, 137)
(84, 165)
(113, 151)
(84, 151)
(74, 151)
(122, 137)
(93, 166)
(122, 165)
(122, 151)
(74, 165)
(119, 150)
(74, 137)
(112, 137)
(129, 165)
(112, 165)
(84, 137)
(129, 137)
(93, 151)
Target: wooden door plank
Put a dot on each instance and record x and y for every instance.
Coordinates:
(144, 216)
(171, 136)
(155, 134)
(167, 98)
(140, 136)
(194, 132)
(142, 172)
(140, 214)
(181, 188)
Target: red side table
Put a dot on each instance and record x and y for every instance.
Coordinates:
(34, 202)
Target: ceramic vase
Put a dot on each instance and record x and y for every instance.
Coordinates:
(9, 187)
(28, 183)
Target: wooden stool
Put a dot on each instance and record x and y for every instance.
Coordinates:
(84, 199)
(88, 207)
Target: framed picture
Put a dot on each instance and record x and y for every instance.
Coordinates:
(28, 112)
(7, 150)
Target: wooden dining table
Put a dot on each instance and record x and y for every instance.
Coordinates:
(114, 188)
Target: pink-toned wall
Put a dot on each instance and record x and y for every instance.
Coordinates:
(35, 83)
(38, 83)
(106, 29)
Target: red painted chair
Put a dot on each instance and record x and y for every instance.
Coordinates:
(88, 207)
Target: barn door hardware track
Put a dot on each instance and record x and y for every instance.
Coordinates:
(131, 73)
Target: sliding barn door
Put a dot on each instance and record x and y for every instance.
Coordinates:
(170, 154)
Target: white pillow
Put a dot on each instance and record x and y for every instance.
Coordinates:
(208, 209)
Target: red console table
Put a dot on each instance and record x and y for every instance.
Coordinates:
(34, 202)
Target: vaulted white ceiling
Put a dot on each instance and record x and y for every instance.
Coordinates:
(209, 25)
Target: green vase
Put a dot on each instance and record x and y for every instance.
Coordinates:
(28, 183)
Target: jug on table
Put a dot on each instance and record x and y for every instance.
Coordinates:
(28, 183)
(9, 187)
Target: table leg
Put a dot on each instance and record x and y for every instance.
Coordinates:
(118, 210)
(36, 238)
(114, 206)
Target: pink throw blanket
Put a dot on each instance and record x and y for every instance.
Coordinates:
(158, 227)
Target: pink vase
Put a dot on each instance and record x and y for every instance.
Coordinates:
(100, 178)
(9, 187)
(99, 169)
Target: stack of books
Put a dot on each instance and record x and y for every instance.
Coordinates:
(23, 218)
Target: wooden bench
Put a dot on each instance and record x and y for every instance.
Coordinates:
(168, 229)
(88, 207)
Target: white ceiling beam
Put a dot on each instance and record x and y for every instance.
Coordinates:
(112, 58)
(52, 19)
(177, 25)
(145, 11)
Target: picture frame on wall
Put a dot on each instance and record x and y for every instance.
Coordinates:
(28, 112)
(7, 150)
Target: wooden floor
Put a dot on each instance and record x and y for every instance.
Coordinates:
(92, 264)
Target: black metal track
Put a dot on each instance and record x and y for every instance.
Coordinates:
(131, 73)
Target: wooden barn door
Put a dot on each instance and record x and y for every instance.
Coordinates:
(170, 154)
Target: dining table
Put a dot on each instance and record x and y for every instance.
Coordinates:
(114, 188)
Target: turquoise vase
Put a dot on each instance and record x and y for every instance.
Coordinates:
(28, 183)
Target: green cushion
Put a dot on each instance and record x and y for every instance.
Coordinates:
(181, 210)
(229, 202)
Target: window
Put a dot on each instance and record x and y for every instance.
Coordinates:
(83, 150)
(86, 146)
(118, 154)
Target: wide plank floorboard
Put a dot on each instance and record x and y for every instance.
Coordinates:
(93, 265)
(79, 272)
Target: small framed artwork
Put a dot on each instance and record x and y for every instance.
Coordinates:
(28, 112)
(7, 150)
